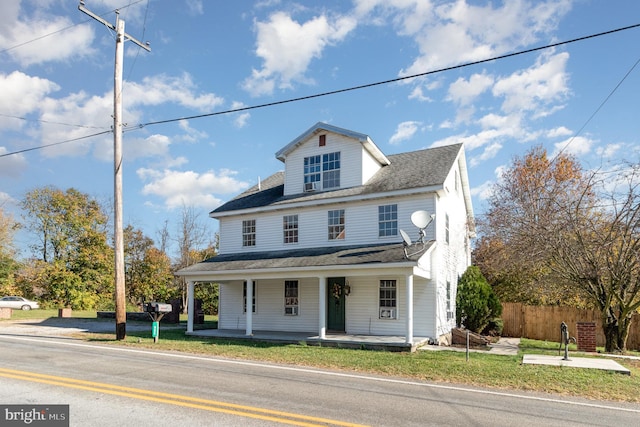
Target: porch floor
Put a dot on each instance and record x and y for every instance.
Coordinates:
(332, 339)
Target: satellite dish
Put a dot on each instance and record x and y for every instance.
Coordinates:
(406, 238)
(421, 219)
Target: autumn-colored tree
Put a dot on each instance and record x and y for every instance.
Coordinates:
(8, 263)
(72, 240)
(148, 273)
(550, 223)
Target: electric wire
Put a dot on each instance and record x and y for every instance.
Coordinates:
(353, 88)
(384, 82)
(51, 122)
(64, 29)
(596, 111)
(55, 143)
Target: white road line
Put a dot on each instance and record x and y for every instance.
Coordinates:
(320, 372)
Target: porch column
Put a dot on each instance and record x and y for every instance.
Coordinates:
(191, 299)
(249, 318)
(322, 310)
(409, 287)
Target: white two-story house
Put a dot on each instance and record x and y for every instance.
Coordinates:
(319, 248)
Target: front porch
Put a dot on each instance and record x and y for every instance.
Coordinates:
(368, 342)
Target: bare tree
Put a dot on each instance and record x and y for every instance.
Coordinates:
(552, 221)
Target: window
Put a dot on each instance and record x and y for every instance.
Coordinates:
(446, 228)
(449, 311)
(290, 228)
(328, 165)
(249, 232)
(387, 220)
(388, 308)
(322, 140)
(291, 297)
(331, 170)
(312, 167)
(336, 224)
(244, 297)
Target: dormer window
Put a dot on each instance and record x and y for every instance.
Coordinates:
(322, 168)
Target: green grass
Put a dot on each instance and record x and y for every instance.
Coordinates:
(482, 369)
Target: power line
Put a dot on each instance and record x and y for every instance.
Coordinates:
(440, 70)
(596, 110)
(54, 144)
(64, 29)
(334, 92)
(51, 122)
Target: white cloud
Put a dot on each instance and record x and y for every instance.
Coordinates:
(287, 47)
(21, 94)
(577, 146)
(609, 150)
(195, 7)
(13, 165)
(161, 88)
(535, 87)
(560, 131)
(464, 92)
(405, 131)
(483, 191)
(189, 188)
(95, 112)
(31, 38)
(240, 119)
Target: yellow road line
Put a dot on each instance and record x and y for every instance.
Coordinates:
(176, 399)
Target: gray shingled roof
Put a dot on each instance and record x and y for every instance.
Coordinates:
(416, 169)
(373, 255)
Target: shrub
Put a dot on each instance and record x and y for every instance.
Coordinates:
(476, 303)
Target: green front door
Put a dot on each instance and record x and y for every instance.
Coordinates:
(335, 304)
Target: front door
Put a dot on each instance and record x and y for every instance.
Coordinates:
(335, 304)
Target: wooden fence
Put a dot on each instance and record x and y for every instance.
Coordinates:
(543, 323)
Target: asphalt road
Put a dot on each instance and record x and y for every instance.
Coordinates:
(117, 386)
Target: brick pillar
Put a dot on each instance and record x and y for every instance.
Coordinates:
(586, 336)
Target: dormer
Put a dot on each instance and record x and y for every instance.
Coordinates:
(327, 157)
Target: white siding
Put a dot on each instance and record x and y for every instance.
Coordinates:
(269, 314)
(361, 225)
(354, 159)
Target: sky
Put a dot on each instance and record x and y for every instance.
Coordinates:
(210, 59)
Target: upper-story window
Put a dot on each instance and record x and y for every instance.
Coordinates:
(312, 169)
(290, 228)
(323, 168)
(336, 224)
(387, 220)
(249, 232)
(331, 170)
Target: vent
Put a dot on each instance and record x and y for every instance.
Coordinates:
(387, 313)
(310, 186)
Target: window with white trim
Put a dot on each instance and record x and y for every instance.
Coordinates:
(388, 300)
(446, 228)
(323, 168)
(249, 232)
(244, 297)
(336, 224)
(291, 297)
(290, 228)
(312, 169)
(331, 170)
(387, 220)
(450, 314)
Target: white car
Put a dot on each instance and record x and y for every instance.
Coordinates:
(18, 303)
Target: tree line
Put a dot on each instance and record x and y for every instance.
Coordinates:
(72, 257)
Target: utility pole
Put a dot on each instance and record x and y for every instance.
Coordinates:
(118, 239)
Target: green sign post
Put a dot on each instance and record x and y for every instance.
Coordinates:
(155, 329)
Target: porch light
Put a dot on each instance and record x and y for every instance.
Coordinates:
(347, 289)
